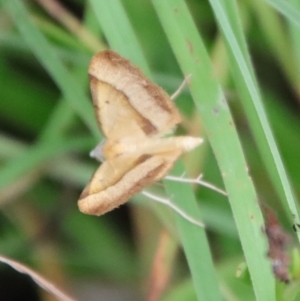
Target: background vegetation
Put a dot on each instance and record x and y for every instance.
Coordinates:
(244, 95)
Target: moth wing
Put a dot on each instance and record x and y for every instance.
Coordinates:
(115, 117)
(117, 180)
(122, 91)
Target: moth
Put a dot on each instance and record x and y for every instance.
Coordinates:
(134, 115)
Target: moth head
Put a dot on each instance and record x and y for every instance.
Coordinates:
(97, 152)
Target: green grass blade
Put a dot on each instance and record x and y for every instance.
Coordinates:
(193, 238)
(285, 8)
(193, 59)
(251, 100)
(274, 32)
(106, 13)
(295, 39)
(46, 54)
(38, 155)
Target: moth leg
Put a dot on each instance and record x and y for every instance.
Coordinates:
(198, 181)
(168, 202)
(181, 87)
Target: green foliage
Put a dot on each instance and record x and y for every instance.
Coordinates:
(243, 98)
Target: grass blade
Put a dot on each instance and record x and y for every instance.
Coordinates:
(46, 54)
(193, 59)
(251, 100)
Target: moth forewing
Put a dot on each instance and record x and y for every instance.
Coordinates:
(150, 101)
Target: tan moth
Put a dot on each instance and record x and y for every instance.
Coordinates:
(134, 115)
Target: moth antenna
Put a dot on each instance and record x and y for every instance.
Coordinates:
(174, 207)
(181, 87)
(198, 181)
